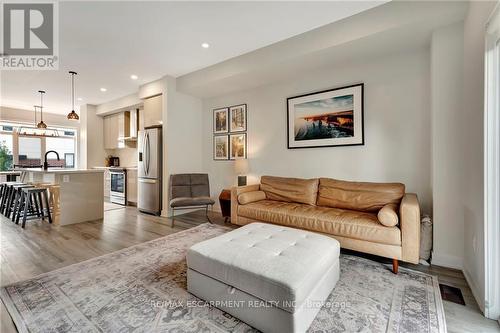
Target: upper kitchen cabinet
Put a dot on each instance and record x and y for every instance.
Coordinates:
(152, 113)
(116, 129)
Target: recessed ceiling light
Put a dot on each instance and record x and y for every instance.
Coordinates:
(80, 99)
(205, 45)
(134, 77)
(104, 89)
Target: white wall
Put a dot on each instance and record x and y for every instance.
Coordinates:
(473, 156)
(91, 138)
(397, 127)
(182, 135)
(447, 145)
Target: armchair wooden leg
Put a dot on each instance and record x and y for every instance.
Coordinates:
(395, 266)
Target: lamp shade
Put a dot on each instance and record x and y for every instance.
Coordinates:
(241, 166)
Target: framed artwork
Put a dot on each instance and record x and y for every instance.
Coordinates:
(237, 146)
(326, 119)
(69, 160)
(221, 147)
(238, 118)
(221, 120)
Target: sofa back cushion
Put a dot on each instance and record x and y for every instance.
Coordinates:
(361, 196)
(290, 189)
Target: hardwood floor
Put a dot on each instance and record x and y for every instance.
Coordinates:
(42, 248)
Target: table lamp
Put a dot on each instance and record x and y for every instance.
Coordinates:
(241, 168)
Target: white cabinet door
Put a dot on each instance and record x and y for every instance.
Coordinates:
(132, 186)
(152, 113)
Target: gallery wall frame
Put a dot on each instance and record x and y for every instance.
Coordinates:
(242, 137)
(240, 124)
(221, 120)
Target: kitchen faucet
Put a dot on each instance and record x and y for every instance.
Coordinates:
(45, 163)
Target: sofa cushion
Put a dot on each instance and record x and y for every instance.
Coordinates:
(188, 201)
(290, 189)
(362, 196)
(388, 215)
(333, 221)
(252, 196)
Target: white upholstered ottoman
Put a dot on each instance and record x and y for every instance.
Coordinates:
(271, 277)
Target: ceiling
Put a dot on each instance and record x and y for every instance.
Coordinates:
(106, 42)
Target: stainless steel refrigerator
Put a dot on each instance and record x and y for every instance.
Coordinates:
(149, 170)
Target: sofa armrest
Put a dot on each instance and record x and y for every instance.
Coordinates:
(235, 191)
(409, 212)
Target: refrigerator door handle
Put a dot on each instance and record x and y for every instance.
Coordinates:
(147, 150)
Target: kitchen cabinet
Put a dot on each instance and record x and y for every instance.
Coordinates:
(116, 128)
(152, 113)
(107, 183)
(132, 186)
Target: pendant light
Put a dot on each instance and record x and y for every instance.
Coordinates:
(73, 115)
(41, 124)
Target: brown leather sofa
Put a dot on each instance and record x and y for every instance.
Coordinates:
(375, 218)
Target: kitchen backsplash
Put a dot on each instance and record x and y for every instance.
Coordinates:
(128, 156)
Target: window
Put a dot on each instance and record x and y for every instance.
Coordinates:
(30, 152)
(63, 146)
(23, 146)
(6, 149)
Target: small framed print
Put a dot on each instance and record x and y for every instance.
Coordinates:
(221, 147)
(237, 146)
(238, 118)
(221, 120)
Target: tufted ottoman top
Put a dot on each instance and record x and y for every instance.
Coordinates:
(273, 263)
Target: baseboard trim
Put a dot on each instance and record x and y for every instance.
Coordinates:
(447, 261)
(473, 287)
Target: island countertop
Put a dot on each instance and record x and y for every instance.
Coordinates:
(59, 170)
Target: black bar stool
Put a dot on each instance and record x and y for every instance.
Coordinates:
(30, 196)
(12, 197)
(6, 195)
(17, 200)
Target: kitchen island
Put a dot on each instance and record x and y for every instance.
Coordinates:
(77, 195)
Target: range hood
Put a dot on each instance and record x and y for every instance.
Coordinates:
(133, 126)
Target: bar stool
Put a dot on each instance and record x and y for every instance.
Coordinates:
(31, 196)
(9, 209)
(17, 200)
(6, 195)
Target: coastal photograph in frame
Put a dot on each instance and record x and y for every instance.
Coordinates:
(238, 118)
(326, 119)
(221, 147)
(221, 120)
(237, 146)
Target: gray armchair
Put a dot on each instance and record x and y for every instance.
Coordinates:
(188, 191)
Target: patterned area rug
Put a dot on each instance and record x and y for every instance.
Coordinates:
(143, 289)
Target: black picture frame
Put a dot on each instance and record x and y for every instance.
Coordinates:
(360, 85)
(214, 117)
(245, 145)
(227, 147)
(231, 118)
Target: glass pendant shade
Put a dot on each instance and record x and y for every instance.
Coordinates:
(73, 115)
(41, 124)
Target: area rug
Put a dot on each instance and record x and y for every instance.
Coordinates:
(143, 289)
